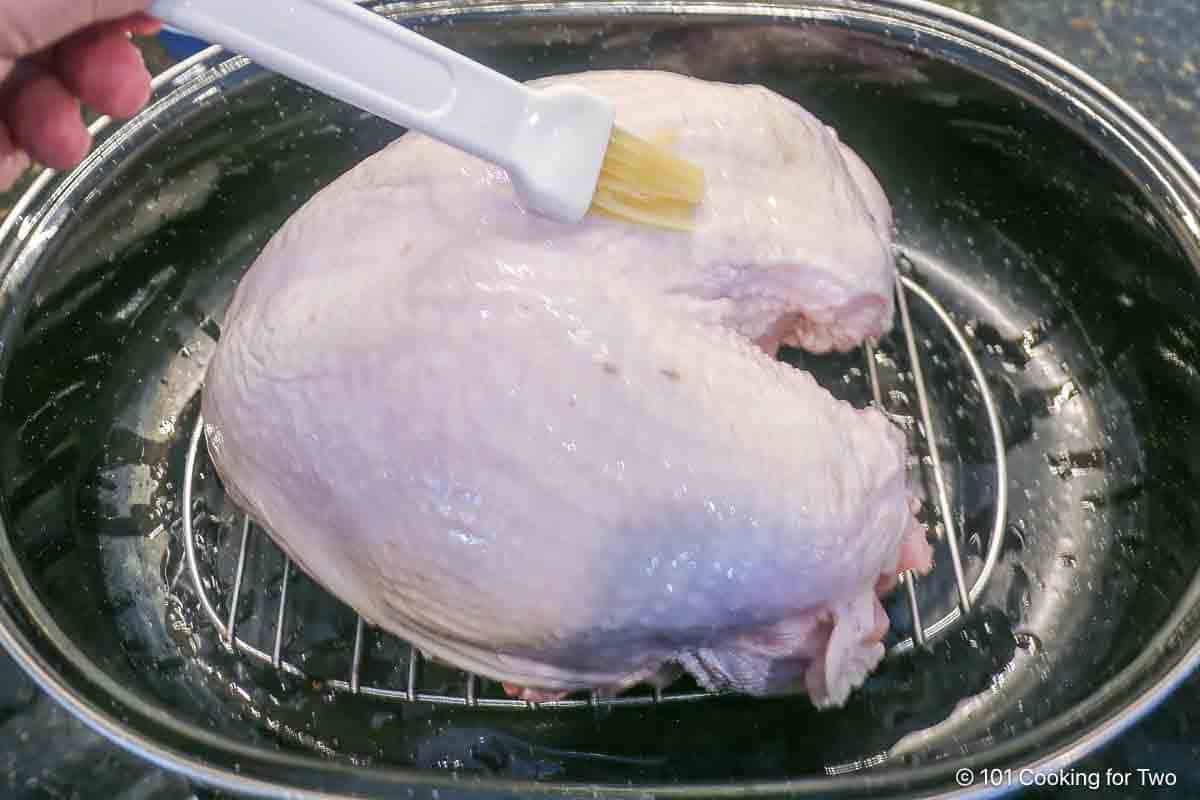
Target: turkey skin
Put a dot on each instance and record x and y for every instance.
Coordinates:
(563, 456)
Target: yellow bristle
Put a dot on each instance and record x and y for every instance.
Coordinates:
(664, 139)
(640, 181)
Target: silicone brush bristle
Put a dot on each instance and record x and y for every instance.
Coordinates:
(640, 181)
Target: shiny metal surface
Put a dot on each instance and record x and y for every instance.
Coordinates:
(1095, 313)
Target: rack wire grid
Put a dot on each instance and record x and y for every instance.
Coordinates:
(226, 626)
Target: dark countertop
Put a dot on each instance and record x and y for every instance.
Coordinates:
(1148, 51)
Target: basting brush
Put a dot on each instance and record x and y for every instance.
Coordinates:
(559, 145)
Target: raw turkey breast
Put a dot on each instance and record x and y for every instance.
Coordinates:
(563, 457)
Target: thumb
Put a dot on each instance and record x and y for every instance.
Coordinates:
(29, 26)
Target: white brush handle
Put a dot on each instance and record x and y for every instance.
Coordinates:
(551, 142)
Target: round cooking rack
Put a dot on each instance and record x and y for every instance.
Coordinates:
(226, 626)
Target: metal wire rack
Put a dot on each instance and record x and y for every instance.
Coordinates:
(226, 625)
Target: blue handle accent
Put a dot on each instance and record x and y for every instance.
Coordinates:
(179, 45)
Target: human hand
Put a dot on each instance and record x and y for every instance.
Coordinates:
(55, 54)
